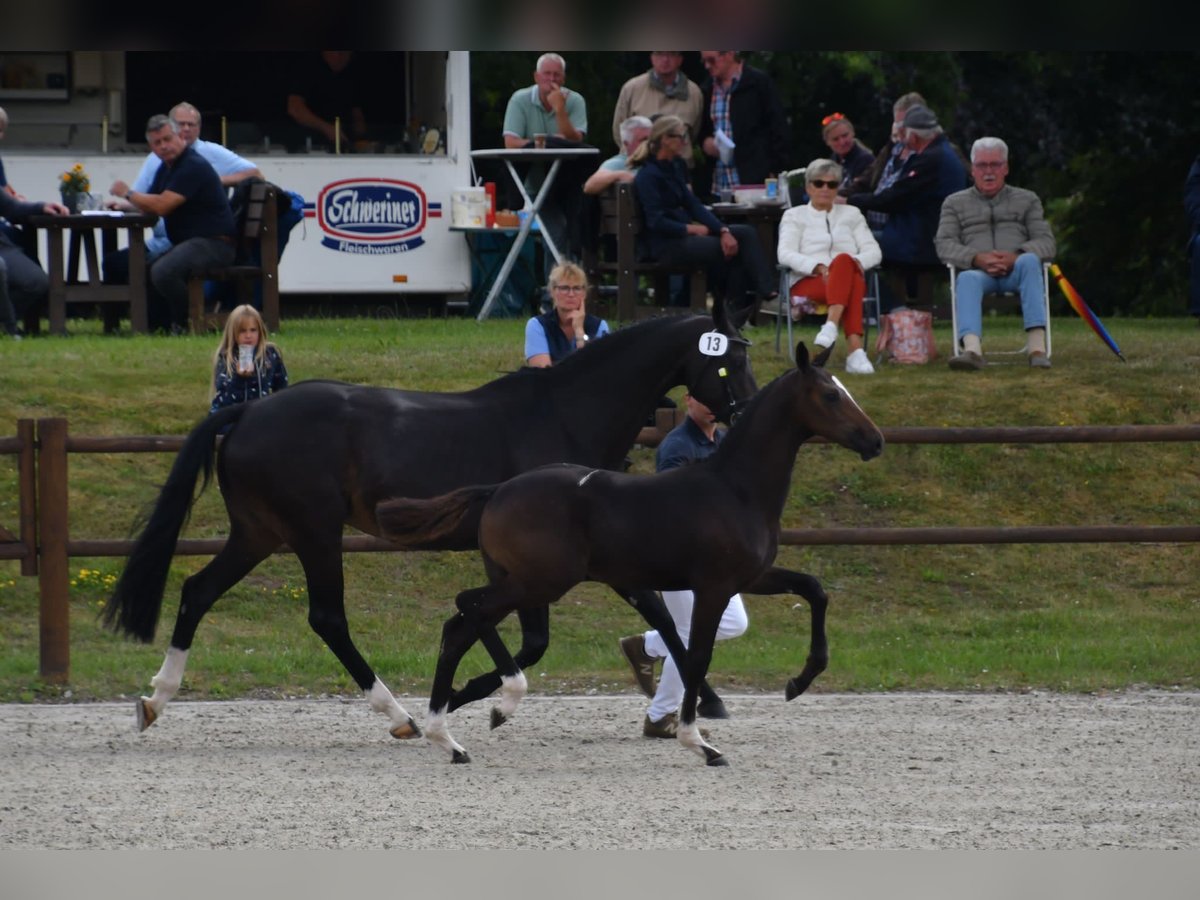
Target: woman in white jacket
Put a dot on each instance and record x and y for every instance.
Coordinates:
(828, 246)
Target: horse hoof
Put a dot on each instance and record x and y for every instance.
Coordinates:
(712, 709)
(713, 757)
(408, 730)
(498, 718)
(146, 716)
(460, 756)
(794, 689)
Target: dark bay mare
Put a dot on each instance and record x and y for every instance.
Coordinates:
(712, 528)
(298, 465)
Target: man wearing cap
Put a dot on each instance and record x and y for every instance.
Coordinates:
(913, 202)
(997, 236)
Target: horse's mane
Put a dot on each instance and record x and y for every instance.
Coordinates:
(734, 436)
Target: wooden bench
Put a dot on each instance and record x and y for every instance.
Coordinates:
(621, 220)
(258, 231)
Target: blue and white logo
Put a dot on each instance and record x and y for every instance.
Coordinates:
(373, 215)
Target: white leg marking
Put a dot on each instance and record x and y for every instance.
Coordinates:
(166, 683)
(382, 701)
(438, 734)
(689, 736)
(512, 689)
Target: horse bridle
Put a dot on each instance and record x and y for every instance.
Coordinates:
(733, 404)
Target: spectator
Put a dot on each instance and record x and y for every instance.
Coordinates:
(829, 247)
(24, 238)
(662, 90)
(913, 202)
(742, 105)
(246, 365)
(547, 107)
(888, 162)
(681, 231)
(1191, 203)
(997, 236)
(23, 284)
(694, 439)
(327, 92)
(846, 150)
(187, 192)
(230, 167)
(634, 131)
(568, 325)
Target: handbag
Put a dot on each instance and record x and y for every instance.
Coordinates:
(906, 336)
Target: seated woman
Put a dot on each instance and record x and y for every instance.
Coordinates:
(828, 247)
(849, 152)
(568, 325)
(681, 231)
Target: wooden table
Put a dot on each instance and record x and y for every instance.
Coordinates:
(764, 217)
(553, 156)
(65, 284)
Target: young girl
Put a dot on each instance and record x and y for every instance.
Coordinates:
(246, 364)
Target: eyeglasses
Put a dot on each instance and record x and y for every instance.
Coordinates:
(570, 288)
(832, 117)
(676, 134)
(989, 165)
(816, 182)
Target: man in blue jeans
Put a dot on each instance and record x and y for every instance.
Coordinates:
(997, 236)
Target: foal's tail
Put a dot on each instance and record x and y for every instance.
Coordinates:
(448, 522)
(137, 599)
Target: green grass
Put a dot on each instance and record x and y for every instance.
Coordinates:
(1065, 617)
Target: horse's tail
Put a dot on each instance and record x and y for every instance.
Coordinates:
(448, 522)
(137, 599)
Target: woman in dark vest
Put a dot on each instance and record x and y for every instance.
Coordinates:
(568, 325)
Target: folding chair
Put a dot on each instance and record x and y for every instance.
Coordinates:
(784, 312)
(954, 312)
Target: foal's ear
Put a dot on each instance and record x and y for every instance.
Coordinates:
(802, 362)
(731, 322)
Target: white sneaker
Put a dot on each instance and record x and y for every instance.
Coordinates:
(857, 363)
(827, 335)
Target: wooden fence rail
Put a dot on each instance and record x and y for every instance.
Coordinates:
(44, 545)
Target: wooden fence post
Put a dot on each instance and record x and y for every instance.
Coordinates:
(27, 494)
(53, 568)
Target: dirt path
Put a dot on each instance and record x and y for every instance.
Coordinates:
(827, 770)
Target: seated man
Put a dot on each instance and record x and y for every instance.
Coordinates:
(913, 200)
(997, 235)
(22, 281)
(187, 192)
(634, 130)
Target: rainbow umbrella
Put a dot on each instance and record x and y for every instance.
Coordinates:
(1084, 310)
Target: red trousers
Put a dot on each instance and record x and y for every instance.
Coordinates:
(843, 286)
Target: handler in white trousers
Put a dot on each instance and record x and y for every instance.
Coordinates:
(692, 440)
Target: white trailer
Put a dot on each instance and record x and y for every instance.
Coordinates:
(373, 222)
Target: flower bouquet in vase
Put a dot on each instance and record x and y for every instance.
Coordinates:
(73, 184)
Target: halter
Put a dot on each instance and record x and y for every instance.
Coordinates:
(734, 405)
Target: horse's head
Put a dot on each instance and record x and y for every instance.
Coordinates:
(718, 368)
(826, 408)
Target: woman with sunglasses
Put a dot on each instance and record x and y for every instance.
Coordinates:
(681, 231)
(568, 325)
(828, 246)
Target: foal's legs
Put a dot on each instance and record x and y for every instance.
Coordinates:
(706, 616)
(784, 581)
(650, 607)
(200, 592)
(535, 638)
(321, 558)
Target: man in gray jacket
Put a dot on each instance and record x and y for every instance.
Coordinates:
(997, 236)
(23, 284)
